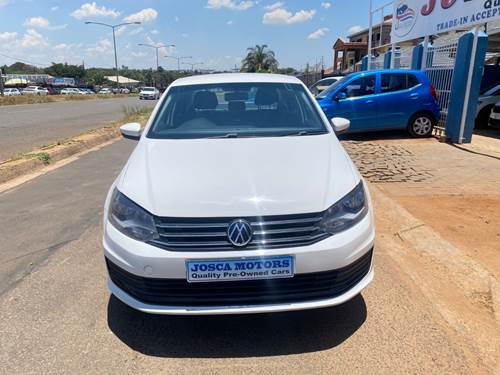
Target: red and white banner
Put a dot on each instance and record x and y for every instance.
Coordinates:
(417, 18)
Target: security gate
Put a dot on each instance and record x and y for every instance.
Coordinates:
(439, 63)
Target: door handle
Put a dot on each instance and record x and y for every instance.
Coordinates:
(369, 102)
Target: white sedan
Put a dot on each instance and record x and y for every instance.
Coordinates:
(149, 93)
(11, 92)
(238, 198)
(35, 90)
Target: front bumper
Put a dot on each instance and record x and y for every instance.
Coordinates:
(152, 269)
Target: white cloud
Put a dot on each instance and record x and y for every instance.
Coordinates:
(33, 39)
(139, 54)
(230, 4)
(326, 5)
(229, 23)
(102, 46)
(176, 18)
(37, 22)
(53, 9)
(4, 2)
(136, 31)
(7, 37)
(185, 35)
(145, 15)
(43, 23)
(284, 17)
(273, 6)
(318, 33)
(93, 10)
(354, 29)
(154, 32)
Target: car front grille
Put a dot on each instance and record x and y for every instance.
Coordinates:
(210, 234)
(300, 288)
(496, 109)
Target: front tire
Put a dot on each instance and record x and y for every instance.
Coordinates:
(421, 125)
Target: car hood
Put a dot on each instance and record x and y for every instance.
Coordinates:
(238, 177)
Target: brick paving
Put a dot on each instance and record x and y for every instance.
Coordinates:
(428, 166)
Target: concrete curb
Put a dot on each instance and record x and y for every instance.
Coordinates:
(39, 158)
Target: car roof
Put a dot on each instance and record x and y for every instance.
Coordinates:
(235, 78)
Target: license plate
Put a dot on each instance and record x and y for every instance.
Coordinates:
(240, 269)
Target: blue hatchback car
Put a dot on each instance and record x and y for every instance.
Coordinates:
(383, 100)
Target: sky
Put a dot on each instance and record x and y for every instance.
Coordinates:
(214, 32)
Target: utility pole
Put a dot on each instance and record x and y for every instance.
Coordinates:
(113, 27)
(1, 82)
(179, 60)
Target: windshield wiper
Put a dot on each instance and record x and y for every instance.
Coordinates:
(303, 132)
(228, 135)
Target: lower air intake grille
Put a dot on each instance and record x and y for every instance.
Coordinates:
(300, 288)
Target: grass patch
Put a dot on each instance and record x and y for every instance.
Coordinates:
(136, 114)
(44, 157)
(35, 99)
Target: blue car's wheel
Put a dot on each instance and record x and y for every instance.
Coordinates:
(421, 125)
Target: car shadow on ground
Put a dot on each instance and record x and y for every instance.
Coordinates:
(489, 132)
(375, 135)
(223, 336)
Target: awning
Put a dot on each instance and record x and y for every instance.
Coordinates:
(122, 80)
(17, 81)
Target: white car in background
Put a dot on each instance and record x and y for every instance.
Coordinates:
(35, 90)
(238, 198)
(11, 92)
(105, 91)
(494, 120)
(71, 91)
(149, 93)
(323, 84)
(485, 104)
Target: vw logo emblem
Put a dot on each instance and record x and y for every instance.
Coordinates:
(239, 232)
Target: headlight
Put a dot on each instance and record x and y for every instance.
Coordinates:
(131, 219)
(346, 212)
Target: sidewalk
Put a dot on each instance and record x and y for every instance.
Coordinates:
(437, 208)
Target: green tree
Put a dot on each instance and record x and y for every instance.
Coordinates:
(66, 70)
(259, 59)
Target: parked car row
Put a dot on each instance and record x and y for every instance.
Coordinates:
(39, 90)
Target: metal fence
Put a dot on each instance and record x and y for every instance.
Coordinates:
(403, 58)
(439, 63)
(377, 62)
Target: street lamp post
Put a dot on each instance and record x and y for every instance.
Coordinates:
(113, 27)
(179, 60)
(156, 47)
(193, 65)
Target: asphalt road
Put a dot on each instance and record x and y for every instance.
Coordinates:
(24, 127)
(58, 317)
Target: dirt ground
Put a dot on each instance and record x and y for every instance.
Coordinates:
(454, 216)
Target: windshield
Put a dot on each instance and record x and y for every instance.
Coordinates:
(332, 88)
(148, 89)
(236, 110)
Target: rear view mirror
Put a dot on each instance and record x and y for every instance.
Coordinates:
(131, 130)
(340, 96)
(340, 125)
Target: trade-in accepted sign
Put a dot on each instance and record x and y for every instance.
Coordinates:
(417, 18)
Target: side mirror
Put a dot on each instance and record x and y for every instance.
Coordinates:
(131, 131)
(340, 96)
(340, 125)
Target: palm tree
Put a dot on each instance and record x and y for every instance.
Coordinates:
(259, 59)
